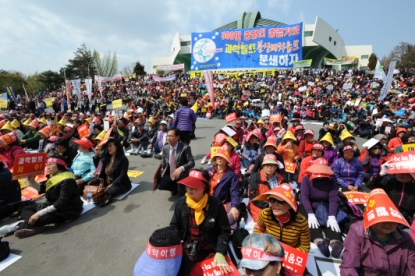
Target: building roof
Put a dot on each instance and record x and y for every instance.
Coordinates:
(249, 20)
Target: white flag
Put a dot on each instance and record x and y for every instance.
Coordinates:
(388, 82)
(88, 83)
(379, 73)
(77, 87)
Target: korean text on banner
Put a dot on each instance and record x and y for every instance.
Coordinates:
(83, 130)
(209, 85)
(168, 78)
(303, 63)
(28, 164)
(295, 261)
(290, 167)
(173, 67)
(261, 47)
(213, 151)
(117, 104)
(231, 118)
(388, 82)
(209, 268)
(357, 197)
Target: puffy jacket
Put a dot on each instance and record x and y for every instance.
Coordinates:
(227, 189)
(393, 143)
(401, 194)
(83, 166)
(305, 147)
(348, 172)
(366, 159)
(364, 255)
(10, 154)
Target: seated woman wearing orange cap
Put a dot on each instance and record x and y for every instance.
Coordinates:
(376, 245)
(83, 165)
(260, 182)
(270, 147)
(204, 230)
(10, 147)
(62, 201)
(224, 184)
(44, 134)
(319, 202)
(316, 152)
(289, 152)
(31, 139)
(63, 149)
(395, 142)
(113, 168)
(282, 219)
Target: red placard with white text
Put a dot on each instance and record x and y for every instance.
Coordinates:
(290, 167)
(209, 268)
(357, 197)
(83, 130)
(28, 164)
(401, 163)
(231, 118)
(30, 193)
(275, 118)
(295, 261)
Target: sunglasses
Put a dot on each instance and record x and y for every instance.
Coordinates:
(273, 200)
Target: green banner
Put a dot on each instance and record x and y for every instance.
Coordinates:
(329, 61)
(302, 63)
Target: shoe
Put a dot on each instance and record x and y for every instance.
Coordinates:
(106, 202)
(336, 248)
(25, 233)
(209, 162)
(6, 229)
(204, 161)
(173, 193)
(157, 156)
(323, 246)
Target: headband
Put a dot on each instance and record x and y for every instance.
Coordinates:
(57, 161)
(255, 254)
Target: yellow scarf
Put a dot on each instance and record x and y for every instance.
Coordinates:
(198, 207)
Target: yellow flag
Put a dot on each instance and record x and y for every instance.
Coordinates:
(195, 106)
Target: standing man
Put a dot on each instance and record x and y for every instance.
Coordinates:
(176, 162)
(184, 118)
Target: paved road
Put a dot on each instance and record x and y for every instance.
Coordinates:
(109, 240)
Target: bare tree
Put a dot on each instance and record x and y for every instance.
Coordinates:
(128, 69)
(107, 66)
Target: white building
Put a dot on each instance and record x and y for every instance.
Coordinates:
(320, 40)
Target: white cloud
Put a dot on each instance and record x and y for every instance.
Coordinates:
(283, 5)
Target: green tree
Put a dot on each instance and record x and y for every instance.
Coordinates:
(373, 59)
(107, 66)
(139, 69)
(51, 79)
(79, 65)
(408, 59)
(13, 79)
(34, 84)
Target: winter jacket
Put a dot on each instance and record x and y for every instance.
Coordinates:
(319, 190)
(83, 166)
(64, 197)
(305, 147)
(258, 185)
(366, 160)
(348, 172)
(227, 189)
(215, 227)
(10, 154)
(235, 164)
(119, 172)
(331, 155)
(280, 169)
(364, 255)
(287, 153)
(183, 118)
(401, 194)
(393, 143)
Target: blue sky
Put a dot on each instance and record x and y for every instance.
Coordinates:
(43, 34)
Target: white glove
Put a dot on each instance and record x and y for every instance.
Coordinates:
(312, 221)
(383, 169)
(332, 223)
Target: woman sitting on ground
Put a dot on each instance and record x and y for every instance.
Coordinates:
(251, 149)
(205, 230)
(62, 201)
(63, 149)
(224, 184)
(348, 170)
(83, 165)
(262, 181)
(113, 168)
(319, 191)
(282, 219)
(372, 161)
(10, 147)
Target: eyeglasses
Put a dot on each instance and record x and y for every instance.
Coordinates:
(274, 200)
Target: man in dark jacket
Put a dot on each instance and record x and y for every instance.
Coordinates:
(365, 128)
(139, 138)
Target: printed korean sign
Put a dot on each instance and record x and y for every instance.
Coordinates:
(83, 130)
(231, 118)
(28, 164)
(401, 163)
(30, 193)
(295, 261)
(357, 197)
(290, 167)
(275, 118)
(261, 47)
(209, 268)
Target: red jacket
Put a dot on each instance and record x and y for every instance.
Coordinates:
(10, 154)
(306, 147)
(393, 143)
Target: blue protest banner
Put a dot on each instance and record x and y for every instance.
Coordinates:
(261, 47)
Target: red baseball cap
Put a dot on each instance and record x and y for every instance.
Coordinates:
(195, 180)
(84, 142)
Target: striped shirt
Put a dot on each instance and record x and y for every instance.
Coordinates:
(295, 233)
